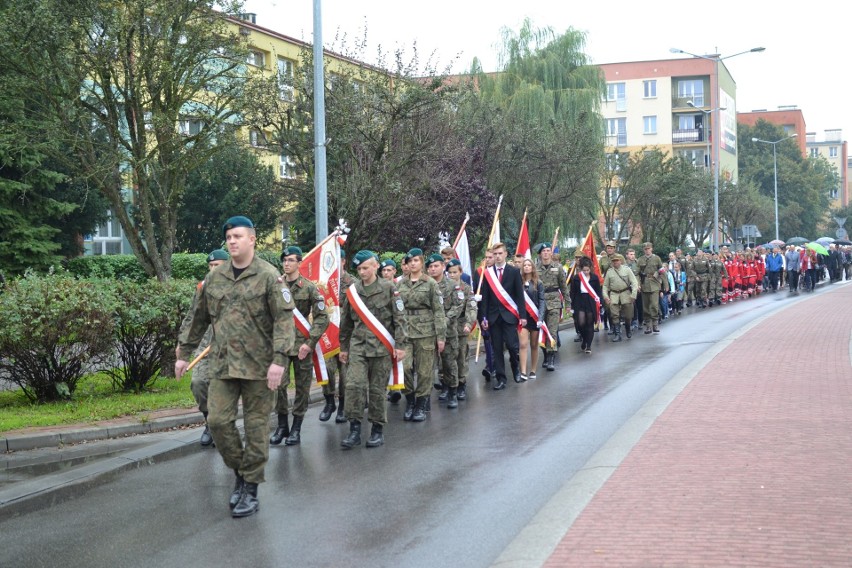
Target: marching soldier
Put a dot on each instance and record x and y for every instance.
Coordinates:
(464, 324)
(336, 370)
(372, 334)
(453, 308)
(605, 261)
(555, 281)
(310, 303)
(630, 262)
(620, 289)
(701, 266)
(651, 282)
(253, 323)
(691, 279)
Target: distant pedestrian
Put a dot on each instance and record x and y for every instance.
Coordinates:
(793, 261)
(774, 265)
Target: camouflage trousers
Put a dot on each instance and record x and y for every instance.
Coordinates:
(701, 289)
(449, 363)
(336, 374)
(258, 400)
(551, 318)
(420, 361)
(200, 385)
(367, 374)
(302, 377)
(461, 359)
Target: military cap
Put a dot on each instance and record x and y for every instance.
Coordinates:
(238, 221)
(541, 246)
(415, 252)
(217, 254)
(617, 256)
(648, 245)
(609, 243)
(579, 253)
(388, 262)
(291, 251)
(453, 262)
(434, 258)
(362, 256)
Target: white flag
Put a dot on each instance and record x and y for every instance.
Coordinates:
(463, 253)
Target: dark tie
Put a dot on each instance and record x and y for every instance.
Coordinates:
(499, 274)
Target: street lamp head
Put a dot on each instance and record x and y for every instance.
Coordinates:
(675, 50)
(757, 49)
(755, 139)
(692, 104)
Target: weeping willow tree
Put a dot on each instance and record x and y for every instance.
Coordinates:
(538, 126)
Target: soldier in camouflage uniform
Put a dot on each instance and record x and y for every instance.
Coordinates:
(464, 323)
(630, 262)
(387, 270)
(253, 330)
(718, 273)
(651, 283)
(336, 371)
(310, 303)
(605, 261)
(426, 331)
(200, 383)
(453, 308)
(701, 265)
(554, 279)
(620, 289)
(368, 359)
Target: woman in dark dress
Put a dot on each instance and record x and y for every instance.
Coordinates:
(528, 335)
(585, 301)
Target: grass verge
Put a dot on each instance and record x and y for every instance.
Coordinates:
(93, 400)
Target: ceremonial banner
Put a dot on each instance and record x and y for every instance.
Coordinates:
(588, 248)
(462, 249)
(322, 267)
(524, 239)
(304, 329)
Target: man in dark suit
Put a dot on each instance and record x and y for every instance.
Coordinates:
(499, 317)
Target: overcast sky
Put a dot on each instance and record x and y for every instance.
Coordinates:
(805, 63)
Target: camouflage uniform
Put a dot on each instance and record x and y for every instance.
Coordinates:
(337, 371)
(554, 279)
(252, 329)
(691, 279)
(651, 284)
(701, 265)
(453, 308)
(466, 318)
(369, 363)
(200, 382)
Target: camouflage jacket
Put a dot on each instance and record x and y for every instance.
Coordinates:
(252, 321)
(555, 280)
(311, 305)
(453, 303)
(208, 335)
(424, 308)
(385, 304)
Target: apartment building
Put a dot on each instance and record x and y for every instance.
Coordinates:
(833, 148)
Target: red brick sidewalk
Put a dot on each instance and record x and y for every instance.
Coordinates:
(751, 465)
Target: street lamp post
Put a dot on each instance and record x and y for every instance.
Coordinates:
(775, 167)
(717, 133)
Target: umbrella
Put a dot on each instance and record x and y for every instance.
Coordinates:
(825, 241)
(797, 241)
(843, 242)
(778, 242)
(818, 248)
(769, 246)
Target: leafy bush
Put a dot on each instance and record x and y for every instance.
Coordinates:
(53, 330)
(191, 266)
(146, 322)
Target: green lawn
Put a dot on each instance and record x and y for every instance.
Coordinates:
(93, 400)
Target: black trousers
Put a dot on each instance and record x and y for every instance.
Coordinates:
(504, 336)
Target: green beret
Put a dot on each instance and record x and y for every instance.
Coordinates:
(238, 221)
(217, 254)
(453, 262)
(541, 246)
(415, 252)
(362, 256)
(434, 258)
(291, 251)
(388, 262)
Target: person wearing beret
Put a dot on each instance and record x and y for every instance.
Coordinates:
(310, 308)
(497, 315)
(374, 311)
(553, 277)
(200, 382)
(388, 269)
(453, 297)
(465, 324)
(254, 330)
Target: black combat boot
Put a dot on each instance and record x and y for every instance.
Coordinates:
(248, 504)
(282, 431)
(452, 398)
(206, 438)
(462, 391)
(394, 396)
(354, 437)
(617, 335)
(409, 407)
(487, 374)
(238, 490)
(628, 328)
(376, 437)
(419, 409)
(328, 409)
(295, 432)
(341, 417)
(443, 396)
(549, 361)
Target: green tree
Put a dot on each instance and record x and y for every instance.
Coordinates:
(133, 94)
(233, 182)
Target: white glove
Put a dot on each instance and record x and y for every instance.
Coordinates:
(477, 297)
(538, 324)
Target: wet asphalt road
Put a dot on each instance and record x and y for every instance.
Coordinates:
(450, 492)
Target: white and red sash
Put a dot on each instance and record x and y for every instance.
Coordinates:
(397, 378)
(532, 310)
(501, 293)
(584, 282)
(304, 327)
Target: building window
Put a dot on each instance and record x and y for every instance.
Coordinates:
(650, 89)
(108, 238)
(285, 78)
(286, 167)
(612, 162)
(834, 193)
(814, 152)
(616, 131)
(190, 126)
(617, 92)
(649, 124)
(691, 91)
(832, 151)
(257, 139)
(255, 58)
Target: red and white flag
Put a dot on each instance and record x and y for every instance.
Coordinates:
(322, 267)
(462, 249)
(524, 239)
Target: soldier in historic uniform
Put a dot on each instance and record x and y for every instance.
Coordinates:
(426, 332)
(310, 309)
(605, 261)
(464, 323)
(373, 315)
(651, 282)
(555, 281)
(453, 309)
(633, 265)
(200, 383)
(253, 330)
(620, 289)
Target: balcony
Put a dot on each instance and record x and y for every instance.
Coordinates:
(688, 136)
